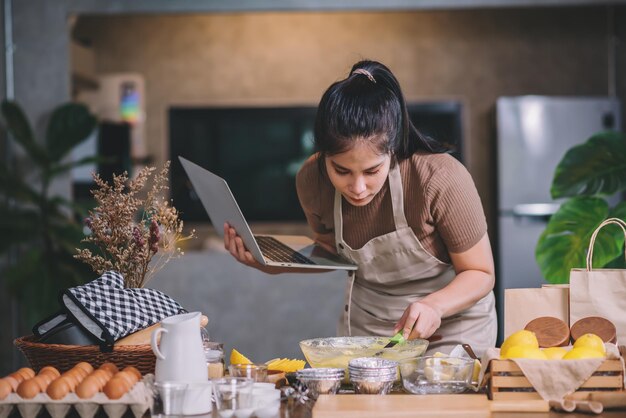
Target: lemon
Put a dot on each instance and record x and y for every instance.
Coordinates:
(578, 353)
(555, 353)
(590, 341)
(237, 358)
(476, 371)
(524, 351)
(286, 365)
(523, 337)
(442, 374)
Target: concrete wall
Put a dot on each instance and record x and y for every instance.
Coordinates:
(277, 58)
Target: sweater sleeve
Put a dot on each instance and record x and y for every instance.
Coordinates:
(309, 188)
(456, 207)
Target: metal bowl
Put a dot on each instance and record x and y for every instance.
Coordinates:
(338, 351)
(372, 375)
(321, 381)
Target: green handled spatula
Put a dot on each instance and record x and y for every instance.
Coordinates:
(396, 339)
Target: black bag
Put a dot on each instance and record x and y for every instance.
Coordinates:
(103, 311)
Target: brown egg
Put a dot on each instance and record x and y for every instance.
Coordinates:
(79, 371)
(83, 365)
(129, 377)
(43, 381)
(26, 373)
(58, 388)
(71, 379)
(102, 376)
(49, 369)
(110, 367)
(20, 377)
(28, 389)
(13, 381)
(46, 377)
(87, 388)
(15, 375)
(5, 388)
(134, 371)
(80, 374)
(116, 388)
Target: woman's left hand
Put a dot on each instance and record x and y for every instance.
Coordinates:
(419, 320)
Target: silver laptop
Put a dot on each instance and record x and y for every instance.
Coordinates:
(270, 250)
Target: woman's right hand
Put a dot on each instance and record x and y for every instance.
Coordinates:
(235, 246)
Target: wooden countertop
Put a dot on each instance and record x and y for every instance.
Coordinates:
(406, 405)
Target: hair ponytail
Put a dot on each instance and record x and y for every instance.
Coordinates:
(369, 104)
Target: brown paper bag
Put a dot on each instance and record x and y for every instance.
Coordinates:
(600, 292)
(523, 305)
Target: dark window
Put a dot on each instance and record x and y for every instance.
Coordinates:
(259, 151)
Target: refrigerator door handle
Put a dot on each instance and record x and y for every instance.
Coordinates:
(535, 210)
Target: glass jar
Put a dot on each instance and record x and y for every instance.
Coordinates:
(214, 355)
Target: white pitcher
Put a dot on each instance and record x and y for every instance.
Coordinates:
(180, 358)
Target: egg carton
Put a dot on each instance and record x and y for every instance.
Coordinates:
(137, 399)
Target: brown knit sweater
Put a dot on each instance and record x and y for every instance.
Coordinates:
(441, 205)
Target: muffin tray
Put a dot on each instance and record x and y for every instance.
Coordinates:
(137, 399)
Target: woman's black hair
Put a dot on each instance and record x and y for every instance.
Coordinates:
(368, 104)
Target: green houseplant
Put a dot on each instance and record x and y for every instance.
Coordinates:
(586, 175)
(41, 231)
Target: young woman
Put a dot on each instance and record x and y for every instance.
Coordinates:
(391, 200)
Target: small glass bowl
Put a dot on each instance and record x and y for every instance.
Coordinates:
(430, 375)
(256, 372)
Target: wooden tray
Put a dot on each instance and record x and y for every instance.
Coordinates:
(401, 405)
(507, 382)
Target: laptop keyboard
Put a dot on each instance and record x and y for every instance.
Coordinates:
(278, 252)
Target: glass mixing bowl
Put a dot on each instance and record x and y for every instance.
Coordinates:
(428, 375)
(338, 351)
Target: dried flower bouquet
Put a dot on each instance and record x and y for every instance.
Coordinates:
(128, 231)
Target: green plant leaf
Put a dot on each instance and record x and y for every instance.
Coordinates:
(62, 168)
(596, 167)
(70, 124)
(17, 225)
(26, 269)
(563, 244)
(67, 235)
(619, 211)
(17, 124)
(13, 187)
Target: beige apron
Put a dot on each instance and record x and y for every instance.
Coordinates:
(394, 271)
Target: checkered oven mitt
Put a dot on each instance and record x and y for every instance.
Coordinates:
(109, 311)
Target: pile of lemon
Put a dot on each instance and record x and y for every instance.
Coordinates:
(280, 364)
(524, 344)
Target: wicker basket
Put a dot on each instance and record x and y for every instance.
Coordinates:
(64, 357)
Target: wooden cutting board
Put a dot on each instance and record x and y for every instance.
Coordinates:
(602, 327)
(550, 331)
(401, 406)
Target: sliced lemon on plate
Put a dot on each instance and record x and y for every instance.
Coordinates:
(286, 365)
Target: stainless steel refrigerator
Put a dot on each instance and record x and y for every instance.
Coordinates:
(533, 134)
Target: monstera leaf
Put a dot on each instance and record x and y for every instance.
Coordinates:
(587, 171)
(564, 243)
(596, 167)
